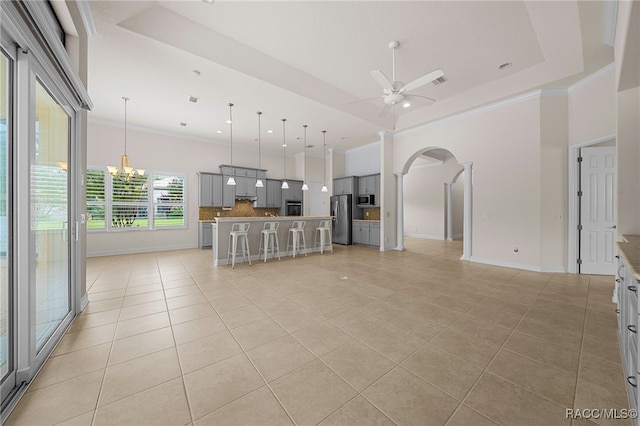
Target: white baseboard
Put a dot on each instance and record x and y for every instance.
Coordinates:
(525, 267)
(424, 236)
(133, 250)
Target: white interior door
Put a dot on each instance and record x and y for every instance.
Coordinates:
(597, 214)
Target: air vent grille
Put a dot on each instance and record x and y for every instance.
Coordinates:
(440, 80)
(193, 99)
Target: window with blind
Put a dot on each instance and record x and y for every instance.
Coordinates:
(152, 201)
(168, 201)
(96, 201)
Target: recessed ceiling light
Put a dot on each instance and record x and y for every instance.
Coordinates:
(228, 121)
(219, 132)
(406, 105)
(269, 131)
(284, 145)
(183, 124)
(504, 66)
(196, 73)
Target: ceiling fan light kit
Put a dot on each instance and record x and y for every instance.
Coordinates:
(396, 92)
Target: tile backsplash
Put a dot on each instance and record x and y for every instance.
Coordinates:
(374, 213)
(242, 208)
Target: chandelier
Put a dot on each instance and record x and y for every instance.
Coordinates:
(125, 169)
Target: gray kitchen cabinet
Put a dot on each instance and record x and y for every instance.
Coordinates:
(209, 189)
(346, 185)
(261, 195)
(205, 236)
(367, 185)
(366, 232)
(228, 192)
(370, 185)
(627, 284)
(360, 233)
(294, 192)
(374, 233)
(274, 193)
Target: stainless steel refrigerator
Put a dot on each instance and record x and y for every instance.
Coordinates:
(342, 212)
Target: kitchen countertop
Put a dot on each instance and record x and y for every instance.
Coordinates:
(269, 218)
(629, 249)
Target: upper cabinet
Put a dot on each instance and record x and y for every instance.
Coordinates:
(346, 185)
(294, 193)
(274, 193)
(245, 186)
(370, 185)
(210, 189)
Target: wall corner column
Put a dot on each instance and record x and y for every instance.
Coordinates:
(468, 212)
(400, 212)
(449, 195)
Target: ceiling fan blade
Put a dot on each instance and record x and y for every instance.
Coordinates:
(421, 81)
(385, 110)
(382, 80)
(427, 99)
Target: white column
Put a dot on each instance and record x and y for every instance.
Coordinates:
(400, 213)
(468, 211)
(449, 235)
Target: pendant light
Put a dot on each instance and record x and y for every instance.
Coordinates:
(125, 168)
(324, 157)
(232, 179)
(285, 185)
(259, 183)
(304, 184)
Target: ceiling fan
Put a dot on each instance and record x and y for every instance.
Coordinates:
(396, 92)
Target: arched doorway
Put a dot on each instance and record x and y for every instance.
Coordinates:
(428, 158)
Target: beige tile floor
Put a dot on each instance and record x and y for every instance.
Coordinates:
(357, 337)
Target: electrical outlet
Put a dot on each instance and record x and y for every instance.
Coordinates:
(366, 214)
(217, 213)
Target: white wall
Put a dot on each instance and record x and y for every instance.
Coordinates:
(425, 201)
(592, 107)
(167, 153)
(503, 143)
(362, 161)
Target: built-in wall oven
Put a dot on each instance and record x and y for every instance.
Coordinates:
(293, 208)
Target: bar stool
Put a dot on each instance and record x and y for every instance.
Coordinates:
(239, 231)
(323, 233)
(296, 233)
(269, 239)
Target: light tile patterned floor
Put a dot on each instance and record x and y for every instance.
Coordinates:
(357, 337)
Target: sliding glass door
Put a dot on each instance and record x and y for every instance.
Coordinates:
(6, 287)
(50, 214)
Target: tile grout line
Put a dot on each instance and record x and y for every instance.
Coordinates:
(106, 367)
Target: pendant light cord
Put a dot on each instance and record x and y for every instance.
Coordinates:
(305, 153)
(284, 150)
(125, 123)
(324, 157)
(259, 143)
(231, 136)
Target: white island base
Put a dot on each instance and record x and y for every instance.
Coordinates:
(222, 227)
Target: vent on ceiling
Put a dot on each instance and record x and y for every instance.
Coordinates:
(193, 99)
(183, 124)
(440, 80)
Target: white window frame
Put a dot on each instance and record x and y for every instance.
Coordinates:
(150, 203)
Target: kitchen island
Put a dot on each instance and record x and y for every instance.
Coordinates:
(222, 227)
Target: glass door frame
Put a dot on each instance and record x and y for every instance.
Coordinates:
(8, 382)
(27, 69)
